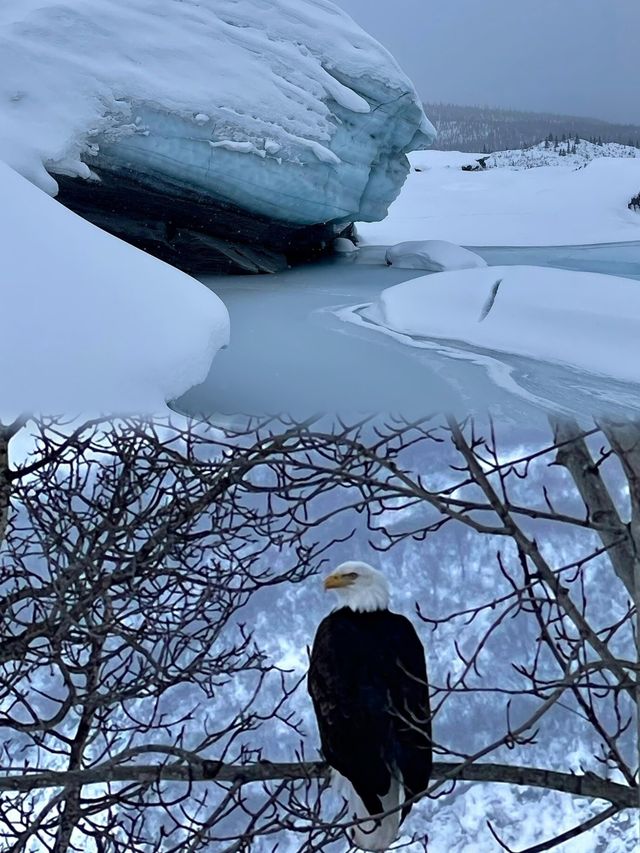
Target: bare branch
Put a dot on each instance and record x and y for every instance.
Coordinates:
(587, 785)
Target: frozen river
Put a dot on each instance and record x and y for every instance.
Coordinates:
(290, 351)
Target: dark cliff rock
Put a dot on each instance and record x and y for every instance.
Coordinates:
(191, 231)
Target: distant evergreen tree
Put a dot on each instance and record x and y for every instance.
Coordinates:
(469, 128)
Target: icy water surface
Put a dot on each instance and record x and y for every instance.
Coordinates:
(290, 350)
(609, 258)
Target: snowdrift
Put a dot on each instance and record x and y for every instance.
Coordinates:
(90, 323)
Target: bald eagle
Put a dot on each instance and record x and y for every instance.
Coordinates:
(368, 683)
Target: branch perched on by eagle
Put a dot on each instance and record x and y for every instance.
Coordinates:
(587, 785)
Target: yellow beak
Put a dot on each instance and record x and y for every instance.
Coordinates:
(336, 581)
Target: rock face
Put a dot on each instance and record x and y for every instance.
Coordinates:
(188, 229)
(220, 135)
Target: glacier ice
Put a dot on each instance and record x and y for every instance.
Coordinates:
(344, 246)
(284, 108)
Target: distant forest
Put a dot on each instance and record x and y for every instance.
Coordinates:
(485, 129)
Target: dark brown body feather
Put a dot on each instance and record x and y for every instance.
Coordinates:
(368, 683)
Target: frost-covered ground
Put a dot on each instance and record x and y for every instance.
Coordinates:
(546, 206)
(255, 102)
(90, 322)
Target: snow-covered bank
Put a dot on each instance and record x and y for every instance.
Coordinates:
(90, 322)
(547, 206)
(286, 110)
(585, 320)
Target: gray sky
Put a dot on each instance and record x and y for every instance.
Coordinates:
(580, 57)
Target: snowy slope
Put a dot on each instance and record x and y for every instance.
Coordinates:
(547, 206)
(569, 154)
(258, 103)
(586, 320)
(90, 322)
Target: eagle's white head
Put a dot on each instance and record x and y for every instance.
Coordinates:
(359, 586)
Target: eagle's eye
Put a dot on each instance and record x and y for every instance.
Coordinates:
(351, 575)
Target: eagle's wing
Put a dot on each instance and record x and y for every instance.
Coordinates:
(409, 699)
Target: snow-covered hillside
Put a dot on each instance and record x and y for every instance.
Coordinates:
(491, 128)
(571, 153)
(285, 109)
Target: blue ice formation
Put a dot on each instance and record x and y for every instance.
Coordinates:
(283, 107)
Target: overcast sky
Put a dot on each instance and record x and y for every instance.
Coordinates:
(580, 57)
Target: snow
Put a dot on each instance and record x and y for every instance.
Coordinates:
(258, 103)
(546, 206)
(89, 321)
(432, 255)
(585, 320)
(568, 154)
(344, 246)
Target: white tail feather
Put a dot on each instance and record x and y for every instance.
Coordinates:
(374, 835)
